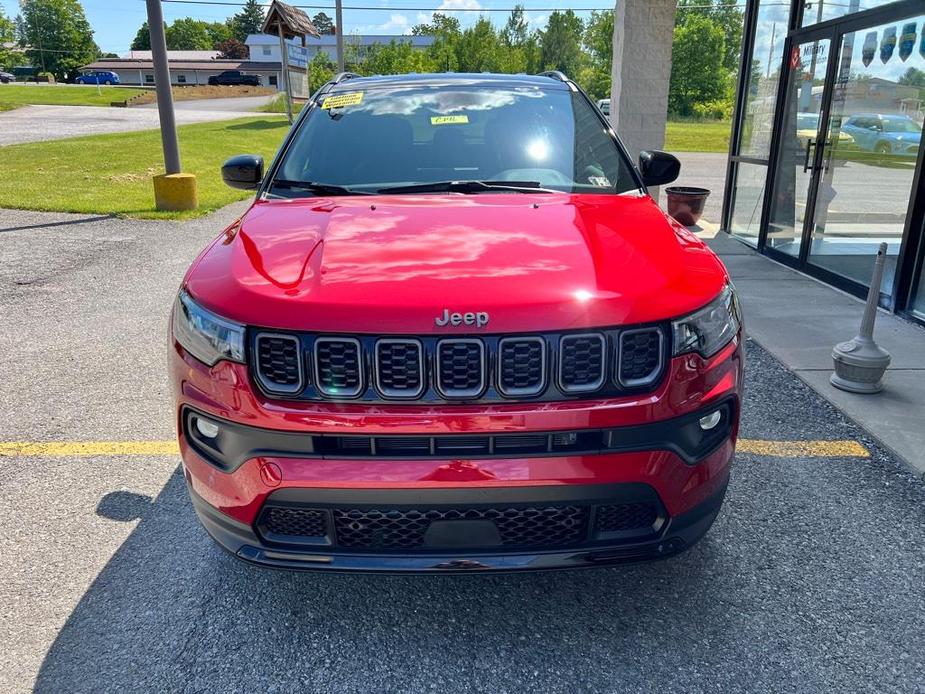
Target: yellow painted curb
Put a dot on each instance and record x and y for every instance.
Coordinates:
(175, 192)
(774, 449)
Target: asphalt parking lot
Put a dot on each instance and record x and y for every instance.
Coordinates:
(811, 580)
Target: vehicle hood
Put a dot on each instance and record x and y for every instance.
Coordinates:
(392, 264)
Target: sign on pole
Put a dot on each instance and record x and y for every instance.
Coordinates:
(287, 22)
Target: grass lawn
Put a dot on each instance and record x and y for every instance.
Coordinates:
(698, 136)
(111, 174)
(278, 105)
(63, 95)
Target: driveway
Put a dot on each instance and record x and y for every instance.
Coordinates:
(36, 123)
(811, 579)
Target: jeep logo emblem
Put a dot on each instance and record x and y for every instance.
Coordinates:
(479, 320)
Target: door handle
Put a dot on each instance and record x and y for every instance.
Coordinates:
(810, 145)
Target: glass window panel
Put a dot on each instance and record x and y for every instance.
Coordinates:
(748, 202)
(815, 11)
(762, 78)
(870, 151)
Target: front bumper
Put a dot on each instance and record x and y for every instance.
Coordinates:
(287, 453)
(668, 537)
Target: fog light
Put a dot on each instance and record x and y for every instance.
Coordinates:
(209, 429)
(706, 423)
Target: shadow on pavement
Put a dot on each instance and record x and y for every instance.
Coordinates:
(171, 611)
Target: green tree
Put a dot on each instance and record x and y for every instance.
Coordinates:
(248, 21)
(60, 27)
(8, 57)
(323, 23)
(560, 43)
(446, 33)
(516, 30)
(396, 58)
(479, 48)
(142, 40)
(724, 14)
(697, 72)
(188, 34)
(913, 77)
(320, 69)
(594, 76)
(219, 32)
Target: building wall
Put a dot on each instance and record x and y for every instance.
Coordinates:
(145, 77)
(643, 31)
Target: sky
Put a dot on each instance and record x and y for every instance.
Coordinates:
(115, 22)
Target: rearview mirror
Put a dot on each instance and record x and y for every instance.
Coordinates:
(658, 168)
(244, 171)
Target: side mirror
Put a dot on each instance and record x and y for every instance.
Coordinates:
(658, 168)
(244, 171)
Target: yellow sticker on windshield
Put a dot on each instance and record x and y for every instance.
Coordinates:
(449, 120)
(339, 100)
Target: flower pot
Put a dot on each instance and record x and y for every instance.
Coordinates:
(686, 203)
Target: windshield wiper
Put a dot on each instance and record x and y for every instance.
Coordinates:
(315, 187)
(470, 187)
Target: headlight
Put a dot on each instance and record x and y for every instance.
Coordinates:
(203, 334)
(711, 328)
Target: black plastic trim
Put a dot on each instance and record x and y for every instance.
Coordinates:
(237, 443)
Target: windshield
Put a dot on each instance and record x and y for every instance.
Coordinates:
(900, 125)
(367, 140)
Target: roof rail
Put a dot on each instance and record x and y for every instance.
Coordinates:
(341, 76)
(555, 74)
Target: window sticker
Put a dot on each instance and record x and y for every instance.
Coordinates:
(449, 120)
(341, 100)
(600, 181)
(887, 44)
(907, 41)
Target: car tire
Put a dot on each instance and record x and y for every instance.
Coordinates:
(883, 150)
(108, 82)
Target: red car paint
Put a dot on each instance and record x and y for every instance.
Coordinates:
(392, 264)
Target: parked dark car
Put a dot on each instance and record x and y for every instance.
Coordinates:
(6, 77)
(99, 77)
(233, 78)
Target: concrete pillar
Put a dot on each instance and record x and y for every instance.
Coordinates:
(642, 35)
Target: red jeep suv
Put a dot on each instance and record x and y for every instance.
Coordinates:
(454, 332)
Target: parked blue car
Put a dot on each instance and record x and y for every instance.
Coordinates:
(885, 134)
(102, 77)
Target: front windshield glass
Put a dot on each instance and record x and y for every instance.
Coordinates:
(368, 140)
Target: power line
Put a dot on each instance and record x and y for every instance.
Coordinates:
(445, 10)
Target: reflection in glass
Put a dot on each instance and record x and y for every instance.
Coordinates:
(748, 201)
(871, 146)
(815, 11)
(799, 140)
(763, 75)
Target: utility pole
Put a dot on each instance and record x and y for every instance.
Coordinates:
(162, 85)
(173, 190)
(339, 21)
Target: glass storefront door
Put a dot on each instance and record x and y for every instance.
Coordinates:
(850, 135)
(873, 135)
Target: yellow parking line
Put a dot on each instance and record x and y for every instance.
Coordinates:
(70, 449)
(803, 449)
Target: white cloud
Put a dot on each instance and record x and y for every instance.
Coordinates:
(451, 8)
(395, 24)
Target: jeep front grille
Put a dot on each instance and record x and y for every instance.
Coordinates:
(279, 363)
(581, 363)
(461, 368)
(489, 368)
(338, 367)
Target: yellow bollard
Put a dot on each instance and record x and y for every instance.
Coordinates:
(175, 192)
